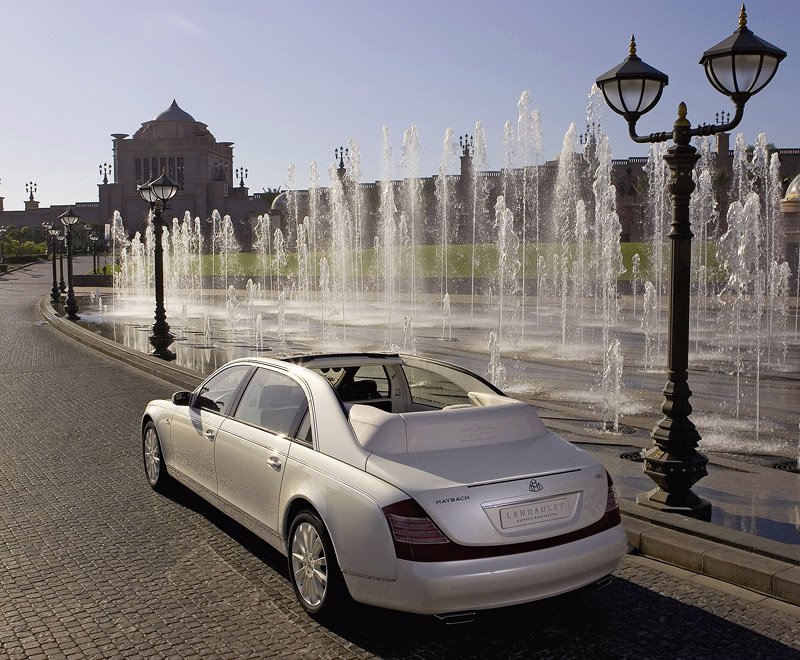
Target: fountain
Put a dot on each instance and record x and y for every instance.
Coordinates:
(538, 269)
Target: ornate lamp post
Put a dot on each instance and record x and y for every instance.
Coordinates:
(93, 238)
(241, 174)
(739, 67)
(47, 226)
(340, 154)
(68, 219)
(105, 170)
(61, 241)
(55, 239)
(156, 193)
(55, 294)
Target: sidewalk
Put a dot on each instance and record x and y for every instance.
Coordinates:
(747, 499)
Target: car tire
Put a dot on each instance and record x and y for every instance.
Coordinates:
(154, 467)
(313, 569)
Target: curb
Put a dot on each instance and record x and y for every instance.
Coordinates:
(183, 378)
(762, 565)
(16, 267)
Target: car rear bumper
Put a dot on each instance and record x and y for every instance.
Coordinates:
(475, 584)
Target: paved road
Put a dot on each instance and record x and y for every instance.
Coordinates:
(94, 564)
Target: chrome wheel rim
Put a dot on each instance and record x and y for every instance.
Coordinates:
(152, 455)
(309, 564)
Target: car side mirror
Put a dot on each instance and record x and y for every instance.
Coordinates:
(182, 398)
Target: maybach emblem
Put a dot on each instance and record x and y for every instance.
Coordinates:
(534, 486)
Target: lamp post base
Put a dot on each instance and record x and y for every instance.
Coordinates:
(675, 472)
(687, 504)
(71, 308)
(160, 344)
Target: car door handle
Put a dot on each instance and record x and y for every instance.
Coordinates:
(275, 463)
(210, 433)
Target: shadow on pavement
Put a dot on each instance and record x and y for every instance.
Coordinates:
(243, 536)
(620, 620)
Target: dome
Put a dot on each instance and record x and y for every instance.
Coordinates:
(174, 123)
(793, 191)
(279, 203)
(174, 113)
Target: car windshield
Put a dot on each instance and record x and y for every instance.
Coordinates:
(432, 389)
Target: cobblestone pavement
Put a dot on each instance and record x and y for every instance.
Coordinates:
(94, 564)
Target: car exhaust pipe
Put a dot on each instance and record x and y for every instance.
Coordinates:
(455, 618)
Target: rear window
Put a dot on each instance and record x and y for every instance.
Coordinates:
(357, 383)
(431, 389)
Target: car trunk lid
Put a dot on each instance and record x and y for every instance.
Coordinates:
(504, 494)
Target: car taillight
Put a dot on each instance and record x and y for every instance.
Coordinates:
(411, 528)
(415, 530)
(612, 505)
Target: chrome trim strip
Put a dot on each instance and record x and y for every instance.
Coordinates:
(523, 477)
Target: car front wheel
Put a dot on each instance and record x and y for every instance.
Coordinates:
(154, 466)
(314, 571)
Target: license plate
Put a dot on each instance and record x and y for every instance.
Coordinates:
(530, 513)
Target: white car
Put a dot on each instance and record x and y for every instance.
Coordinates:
(403, 482)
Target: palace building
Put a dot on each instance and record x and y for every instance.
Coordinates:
(184, 148)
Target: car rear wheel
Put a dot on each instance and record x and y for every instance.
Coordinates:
(154, 466)
(314, 572)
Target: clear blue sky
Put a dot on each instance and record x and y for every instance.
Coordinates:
(289, 81)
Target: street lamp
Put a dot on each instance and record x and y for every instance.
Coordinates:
(47, 226)
(55, 238)
(105, 170)
(61, 241)
(739, 67)
(93, 238)
(68, 219)
(340, 154)
(156, 193)
(52, 232)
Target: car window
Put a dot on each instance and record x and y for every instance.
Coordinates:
(432, 389)
(357, 383)
(304, 433)
(217, 392)
(370, 381)
(273, 401)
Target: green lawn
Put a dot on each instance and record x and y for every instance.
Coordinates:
(459, 258)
